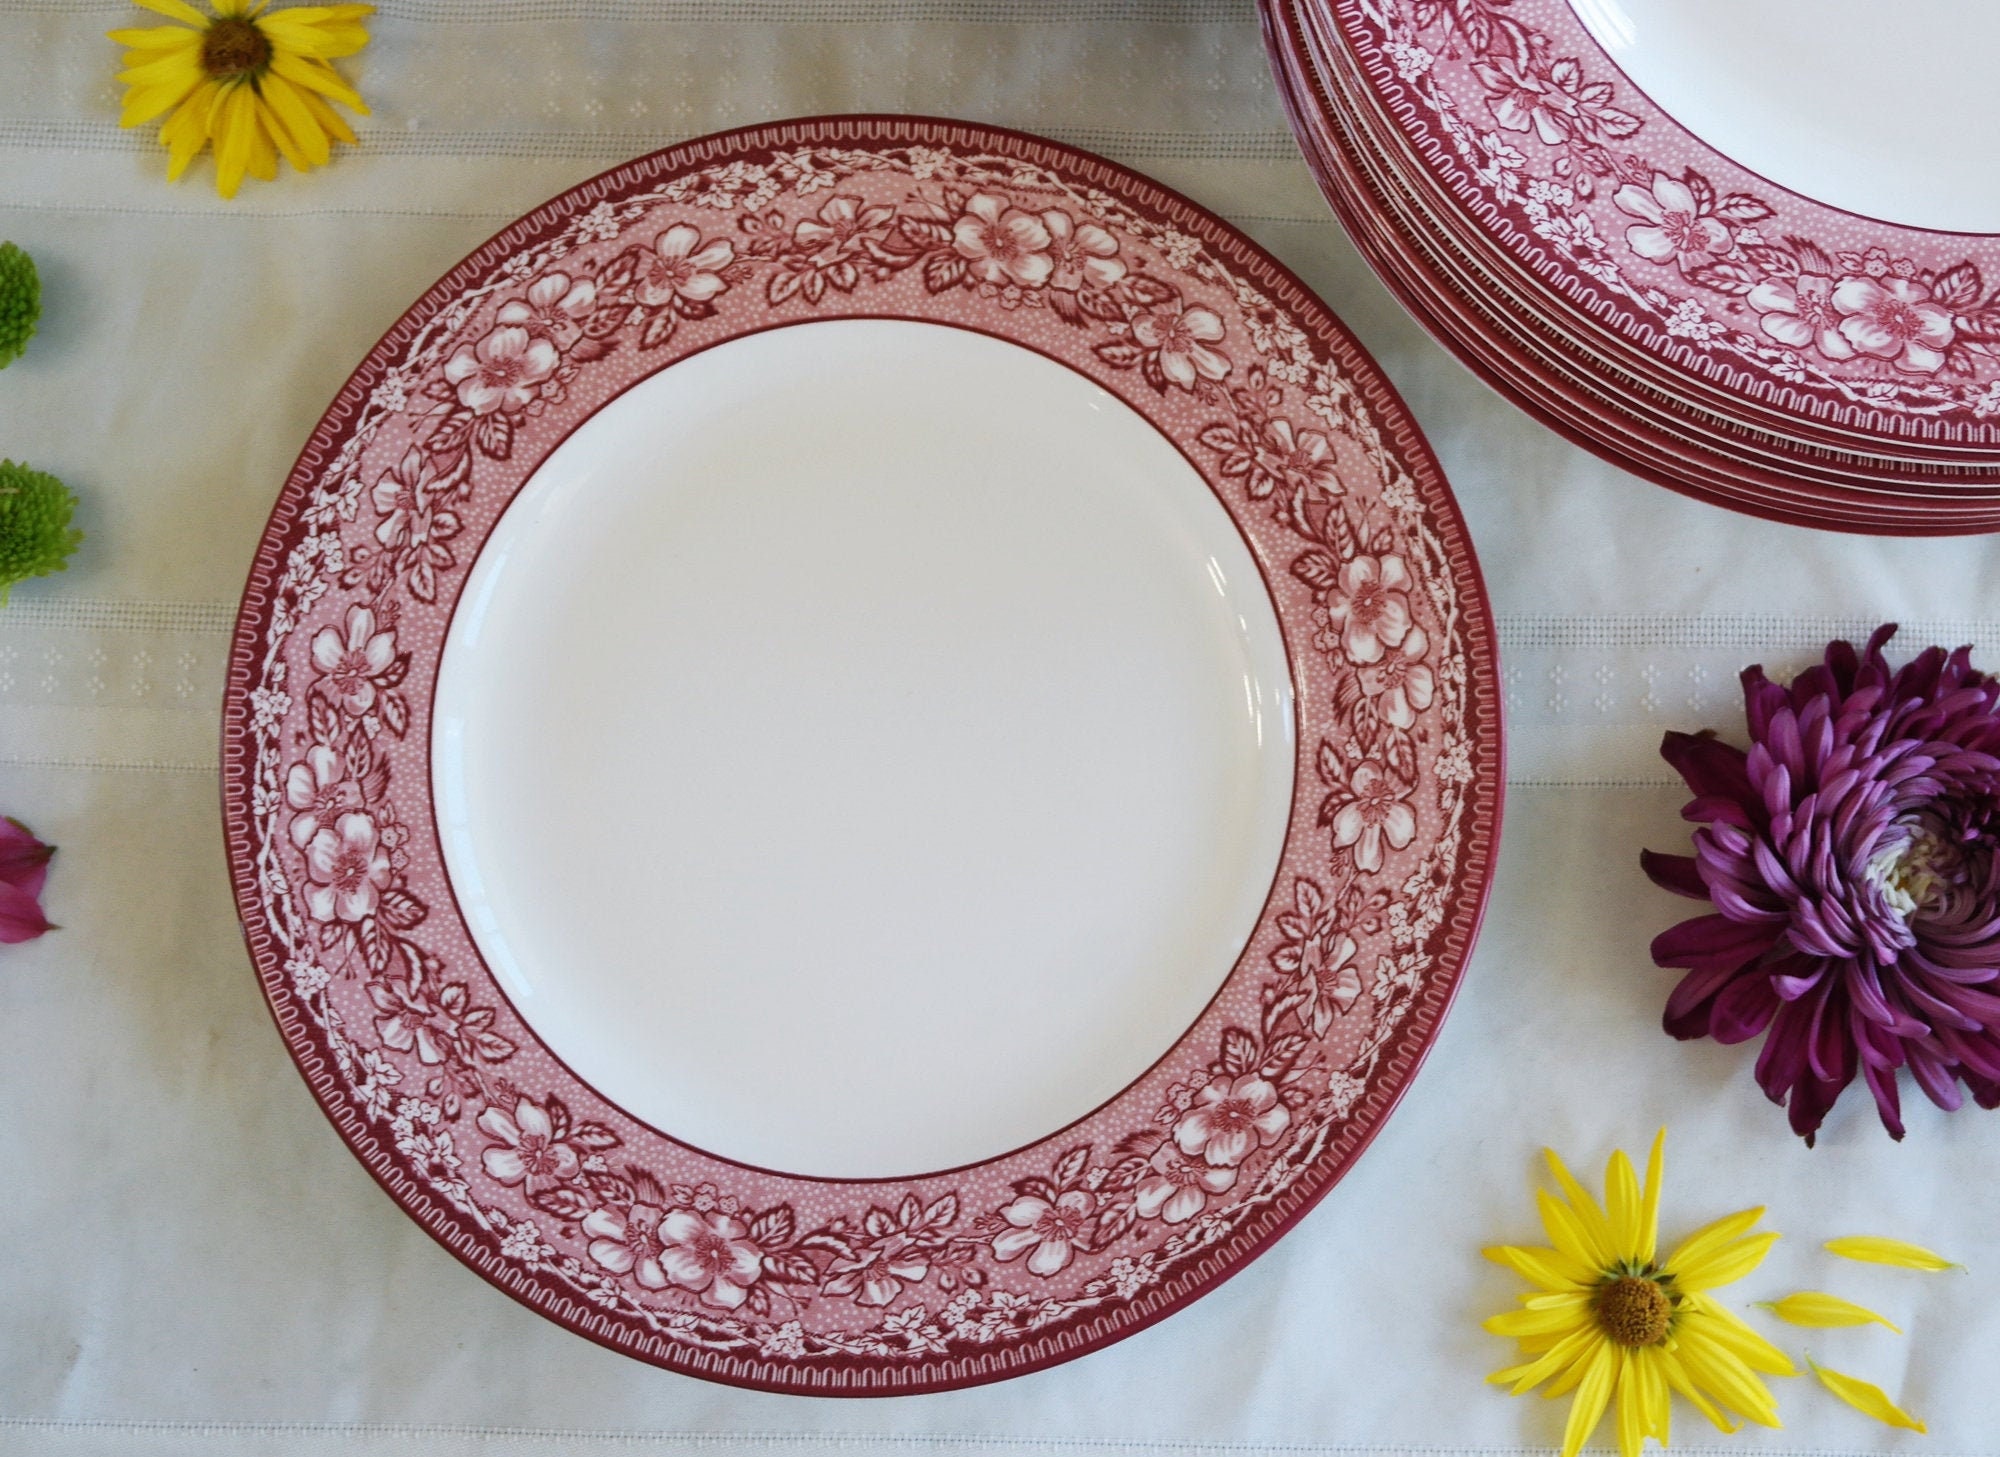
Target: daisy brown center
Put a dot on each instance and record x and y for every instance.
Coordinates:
(232, 48)
(1634, 1311)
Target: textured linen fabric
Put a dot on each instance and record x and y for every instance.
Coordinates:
(193, 1264)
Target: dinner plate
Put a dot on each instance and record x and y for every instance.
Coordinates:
(1567, 381)
(862, 755)
(1666, 368)
(1794, 302)
(1557, 379)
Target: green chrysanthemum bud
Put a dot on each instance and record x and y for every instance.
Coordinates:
(20, 302)
(35, 535)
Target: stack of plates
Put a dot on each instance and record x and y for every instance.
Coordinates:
(1663, 228)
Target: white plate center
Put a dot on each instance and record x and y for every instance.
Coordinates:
(1887, 110)
(863, 748)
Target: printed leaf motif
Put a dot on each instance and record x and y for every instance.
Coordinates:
(563, 1200)
(773, 1229)
(1239, 1051)
(1742, 208)
(1959, 287)
(1119, 353)
(1070, 1166)
(943, 271)
(1725, 275)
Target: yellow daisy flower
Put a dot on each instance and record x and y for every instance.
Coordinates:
(1621, 1327)
(254, 81)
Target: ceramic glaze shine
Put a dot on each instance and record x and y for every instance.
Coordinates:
(863, 748)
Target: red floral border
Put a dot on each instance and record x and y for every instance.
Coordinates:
(692, 1262)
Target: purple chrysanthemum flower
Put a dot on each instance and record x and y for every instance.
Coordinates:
(1850, 857)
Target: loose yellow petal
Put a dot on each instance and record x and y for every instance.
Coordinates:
(1593, 1393)
(1873, 1251)
(1818, 1309)
(1866, 1398)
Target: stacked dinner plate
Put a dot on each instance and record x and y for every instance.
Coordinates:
(1750, 252)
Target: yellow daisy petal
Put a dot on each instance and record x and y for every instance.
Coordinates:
(316, 76)
(1649, 1206)
(1649, 1374)
(1531, 1322)
(1677, 1378)
(319, 38)
(157, 38)
(1550, 1269)
(1866, 1398)
(263, 154)
(1593, 1393)
(1568, 1234)
(234, 126)
(1711, 1237)
(1631, 1407)
(178, 9)
(185, 133)
(1621, 1202)
(329, 120)
(1589, 1214)
(1871, 1250)
(1733, 1383)
(1817, 1309)
(1571, 1349)
(298, 135)
(151, 102)
(1722, 1327)
(1724, 1266)
(178, 65)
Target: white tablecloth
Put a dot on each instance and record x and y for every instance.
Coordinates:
(190, 1261)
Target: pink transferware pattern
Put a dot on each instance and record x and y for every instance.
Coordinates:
(614, 1228)
(1803, 308)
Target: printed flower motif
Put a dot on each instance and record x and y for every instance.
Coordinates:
(1174, 1190)
(710, 1254)
(1303, 460)
(440, 1028)
(353, 666)
(319, 792)
(1402, 683)
(841, 220)
(1557, 102)
(1673, 223)
(1049, 1234)
(1370, 606)
(1369, 811)
(1800, 313)
(405, 499)
(1621, 1327)
(1179, 343)
(254, 81)
(528, 1150)
(350, 869)
(680, 268)
(1003, 244)
(503, 372)
(1232, 1118)
(1895, 319)
(555, 308)
(24, 870)
(879, 1269)
(1085, 255)
(1850, 859)
(628, 1243)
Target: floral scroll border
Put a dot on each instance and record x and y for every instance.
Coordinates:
(720, 1257)
(1807, 309)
